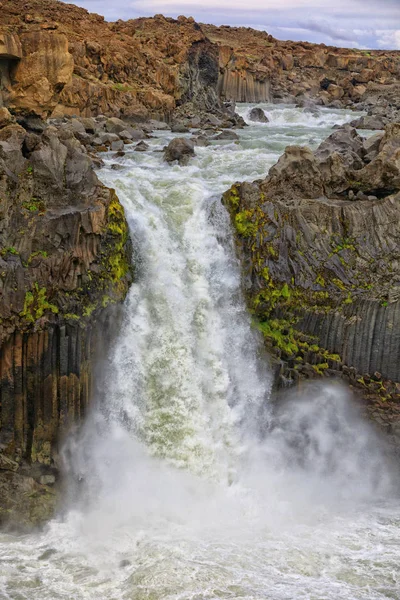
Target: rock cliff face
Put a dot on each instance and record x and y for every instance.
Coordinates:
(256, 67)
(67, 61)
(319, 241)
(57, 59)
(64, 266)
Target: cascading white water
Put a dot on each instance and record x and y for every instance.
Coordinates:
(189, 489)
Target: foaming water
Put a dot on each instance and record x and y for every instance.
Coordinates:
(184, 482)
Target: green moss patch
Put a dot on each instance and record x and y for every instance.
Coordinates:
(36, 304)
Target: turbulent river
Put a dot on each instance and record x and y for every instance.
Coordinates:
(184, 483)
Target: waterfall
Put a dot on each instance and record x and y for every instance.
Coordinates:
(185, 483)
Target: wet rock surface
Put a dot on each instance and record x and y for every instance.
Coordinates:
(180, 150)
(258, 115)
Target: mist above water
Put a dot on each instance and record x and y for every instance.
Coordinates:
(186, 482)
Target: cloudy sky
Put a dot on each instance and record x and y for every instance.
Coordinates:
(353, 23)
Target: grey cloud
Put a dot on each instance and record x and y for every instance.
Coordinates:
(325, 28)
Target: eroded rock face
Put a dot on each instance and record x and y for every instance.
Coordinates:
(255, 67)
(70, 62)
(319, 242)
(24, 503)
(44, 70)
(65, 266)
(244, 86)
(74, 63)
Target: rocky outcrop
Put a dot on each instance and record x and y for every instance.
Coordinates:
(319, 243)
(10, 55)
(243, 86)
(255, 67)
(74, 63)
(45, 68)
(65, 266)
(57, 59)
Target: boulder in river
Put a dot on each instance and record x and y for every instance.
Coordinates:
(179, 128)
(227, 135)
(258, 115)
(141, 147)
(179, 149)
(374, 122)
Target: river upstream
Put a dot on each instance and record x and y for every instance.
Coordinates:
(189, 488)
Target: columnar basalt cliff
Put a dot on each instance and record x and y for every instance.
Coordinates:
(256, 67)
(319, 242)
(65, 264)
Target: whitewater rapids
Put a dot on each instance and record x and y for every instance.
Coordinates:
(184, 483)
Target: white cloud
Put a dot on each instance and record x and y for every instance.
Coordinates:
(389, 39)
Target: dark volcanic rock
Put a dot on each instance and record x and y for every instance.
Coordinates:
(258, 115)
(322, 273)
(230, 136)
(179, 149)
(64, 266)
(296, 174)
(24, 503)
(141, 147)
(179, 128)
(346, 142)
(370, 122)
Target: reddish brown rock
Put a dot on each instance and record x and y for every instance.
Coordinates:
(59, 59)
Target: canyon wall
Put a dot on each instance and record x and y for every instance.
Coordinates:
(256, 67)
(319, 243)
(65, 267)
(242, 86)
(69, 62)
